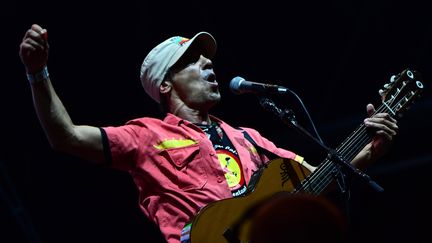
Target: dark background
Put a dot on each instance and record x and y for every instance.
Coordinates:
(335, 55)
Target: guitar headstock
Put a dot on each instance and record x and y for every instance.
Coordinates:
(403, 89)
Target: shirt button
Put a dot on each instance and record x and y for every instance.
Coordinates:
(212, 154)
(219, 180)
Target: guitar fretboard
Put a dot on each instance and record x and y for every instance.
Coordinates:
(328, 170)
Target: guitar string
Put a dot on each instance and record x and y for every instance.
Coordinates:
(316, 184)
(329, 167)
(363, 138)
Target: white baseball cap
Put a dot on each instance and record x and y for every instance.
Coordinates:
(161, 58)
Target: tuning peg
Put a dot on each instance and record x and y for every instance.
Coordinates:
(410, 74)
(386, 86)
(381, 92)
(392, 78)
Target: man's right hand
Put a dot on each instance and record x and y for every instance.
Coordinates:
(34, 49)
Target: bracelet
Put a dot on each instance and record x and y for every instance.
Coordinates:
(38, 77)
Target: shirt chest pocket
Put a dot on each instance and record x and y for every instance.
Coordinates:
(187, 166)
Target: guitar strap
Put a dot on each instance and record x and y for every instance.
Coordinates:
(260, 149)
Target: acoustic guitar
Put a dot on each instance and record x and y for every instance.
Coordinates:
(225, 221)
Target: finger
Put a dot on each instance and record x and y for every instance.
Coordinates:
(41, 31)
(385, 119)
(27, 34)
(36, 28)
(370, 109)
(385, 116)
(44, 34)
(26, 47)
(382, 124)
(36, 36)
(36, 45)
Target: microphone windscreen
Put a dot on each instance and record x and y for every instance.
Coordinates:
(235, 84)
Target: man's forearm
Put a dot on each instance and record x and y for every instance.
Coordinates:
(365, 158)
(52, 114)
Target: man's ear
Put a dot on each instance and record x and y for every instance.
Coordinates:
(165, 87)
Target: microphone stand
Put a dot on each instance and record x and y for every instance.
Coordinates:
(289, 119)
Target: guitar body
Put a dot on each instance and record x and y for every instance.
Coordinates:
(217, 221)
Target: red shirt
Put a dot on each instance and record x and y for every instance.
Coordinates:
(175, 166)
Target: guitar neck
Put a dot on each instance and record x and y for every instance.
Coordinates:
(326, 172)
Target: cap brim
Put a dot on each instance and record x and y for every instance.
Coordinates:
(203, 42)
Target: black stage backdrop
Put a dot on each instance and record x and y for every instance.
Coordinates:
(335, 55)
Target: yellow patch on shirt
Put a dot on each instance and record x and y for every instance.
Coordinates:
(174, 143)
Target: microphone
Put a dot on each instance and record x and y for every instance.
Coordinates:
(239, 85)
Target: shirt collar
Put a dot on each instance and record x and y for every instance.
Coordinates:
(175, 120)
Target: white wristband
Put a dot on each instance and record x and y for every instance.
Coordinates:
(38, 77)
